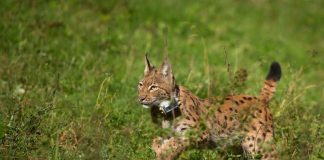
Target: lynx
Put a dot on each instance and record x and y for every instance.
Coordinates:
(241, 118)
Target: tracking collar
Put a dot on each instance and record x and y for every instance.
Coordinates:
(168, 106)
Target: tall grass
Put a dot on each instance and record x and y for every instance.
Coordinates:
(69, 71)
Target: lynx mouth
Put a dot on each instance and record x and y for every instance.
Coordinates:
(151, 103)
(148, 103)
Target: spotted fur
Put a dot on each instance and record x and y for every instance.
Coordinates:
(241, 118)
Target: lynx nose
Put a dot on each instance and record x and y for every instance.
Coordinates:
(141, 99)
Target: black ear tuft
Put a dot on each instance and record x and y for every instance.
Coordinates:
(148, 65)
(275, 72)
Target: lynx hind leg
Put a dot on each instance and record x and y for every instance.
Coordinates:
(169, 149)
(260, 145)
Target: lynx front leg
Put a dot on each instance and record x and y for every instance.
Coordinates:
(169, 149)
(156, 146)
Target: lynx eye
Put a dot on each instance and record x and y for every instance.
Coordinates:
(140, 84)
(153, 87)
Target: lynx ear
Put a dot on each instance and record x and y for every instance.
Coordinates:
(166, 69)
(148, 65)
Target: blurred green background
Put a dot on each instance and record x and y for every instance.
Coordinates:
(69, 71)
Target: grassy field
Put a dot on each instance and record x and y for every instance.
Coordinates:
(69, 71)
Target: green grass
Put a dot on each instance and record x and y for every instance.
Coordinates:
(69, 71)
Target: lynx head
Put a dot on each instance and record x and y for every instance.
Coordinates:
(157, 86)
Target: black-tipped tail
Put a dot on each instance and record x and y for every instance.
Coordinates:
(275, 72)
(270, 83)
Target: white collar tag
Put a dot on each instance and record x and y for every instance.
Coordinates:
(167, 107)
